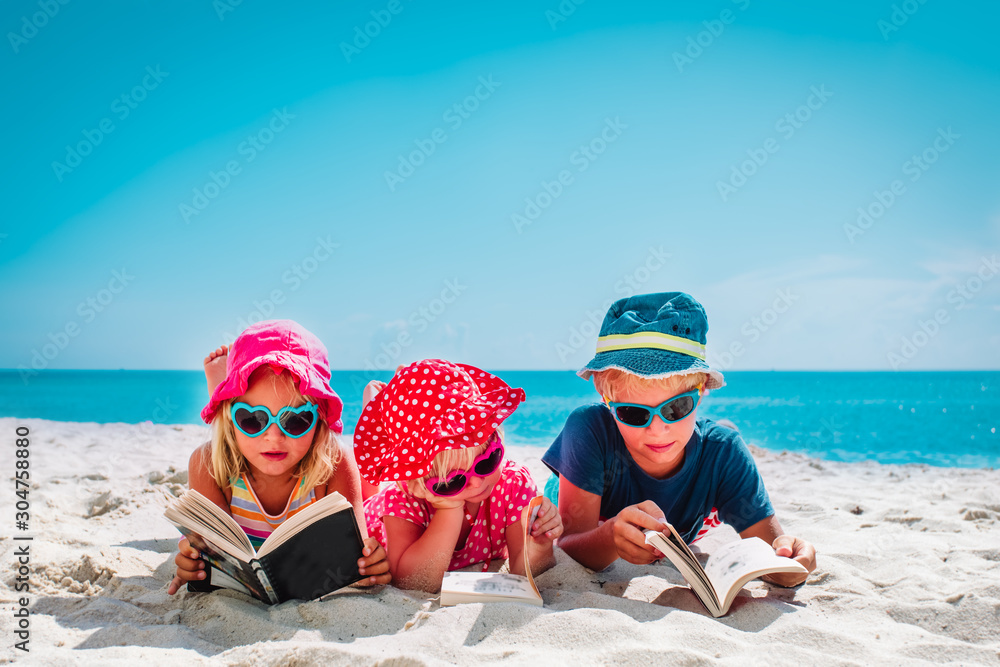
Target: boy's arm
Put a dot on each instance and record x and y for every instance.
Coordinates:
(770, 531)
(596, 545)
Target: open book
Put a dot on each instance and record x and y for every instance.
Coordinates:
(459, 587)
(727, 570)
(307, 556)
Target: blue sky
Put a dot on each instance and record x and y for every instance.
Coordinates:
(723, 149)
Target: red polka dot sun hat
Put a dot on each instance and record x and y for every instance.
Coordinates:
(428, 407)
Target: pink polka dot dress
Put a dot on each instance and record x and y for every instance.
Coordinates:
(487, 539)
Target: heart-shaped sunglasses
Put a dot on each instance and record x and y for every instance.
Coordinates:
(455, 481)
(294, 422)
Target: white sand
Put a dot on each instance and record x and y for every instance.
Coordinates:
(913, 577)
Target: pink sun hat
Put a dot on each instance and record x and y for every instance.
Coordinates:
(428, 407)
(282, 344)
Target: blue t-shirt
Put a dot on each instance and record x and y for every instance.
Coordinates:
(718, 471)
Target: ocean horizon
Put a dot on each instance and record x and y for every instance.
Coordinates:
(941, 418)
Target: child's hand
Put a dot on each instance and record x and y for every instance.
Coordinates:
(371, 391)
(629, 538)
(190, 566)
(548, 525)
(443, 503)
(375, 564)
(799, 550)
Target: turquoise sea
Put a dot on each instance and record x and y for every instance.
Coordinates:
(938, 418)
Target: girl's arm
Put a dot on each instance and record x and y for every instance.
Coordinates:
(419, 557)
(200, 477)
(190, 566)
(542, 534)
(346, 481)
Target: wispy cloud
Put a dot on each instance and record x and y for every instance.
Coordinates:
(832, 312)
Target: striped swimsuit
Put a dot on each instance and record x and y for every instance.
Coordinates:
(252, 518)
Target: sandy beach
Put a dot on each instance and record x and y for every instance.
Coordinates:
(909, 573)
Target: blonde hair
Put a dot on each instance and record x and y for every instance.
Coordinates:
(612, 383)
(453, 459)
(228, 462)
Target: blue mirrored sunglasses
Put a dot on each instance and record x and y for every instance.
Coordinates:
(294, 422)
(670, 411)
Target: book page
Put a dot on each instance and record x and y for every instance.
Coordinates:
(193, 513)
(229, 565)
(323, 507)
(734, 564)
(457, 587)
(533, 507)
(223, 580)
(677, 552)
(320, 557)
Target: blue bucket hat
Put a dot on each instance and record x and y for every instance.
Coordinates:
(654, 336)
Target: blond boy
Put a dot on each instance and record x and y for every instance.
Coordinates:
(643, 458)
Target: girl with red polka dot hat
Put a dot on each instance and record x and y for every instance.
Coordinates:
(434, 431)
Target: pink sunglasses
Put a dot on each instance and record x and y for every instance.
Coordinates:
(485, 465)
